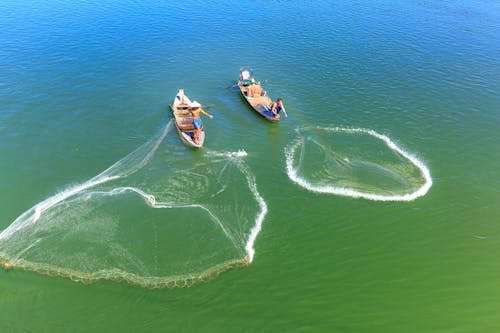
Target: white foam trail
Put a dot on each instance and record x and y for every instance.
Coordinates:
(239, 153)
(254, 232)
(33, 214)
(292, 173)
(260, 217)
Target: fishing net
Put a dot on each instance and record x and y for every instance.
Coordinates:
(160, 217)
(360, 163)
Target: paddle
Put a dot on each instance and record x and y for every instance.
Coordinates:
(208, 106)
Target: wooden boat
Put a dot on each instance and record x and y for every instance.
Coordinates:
(255, 96)
(184, 120)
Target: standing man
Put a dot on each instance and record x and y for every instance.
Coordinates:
(195, 109)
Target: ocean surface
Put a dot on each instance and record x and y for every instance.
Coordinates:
(373, 207)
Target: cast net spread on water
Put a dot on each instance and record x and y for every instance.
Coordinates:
(157, 218)
(355, 162)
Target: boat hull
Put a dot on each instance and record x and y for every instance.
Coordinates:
(261, 103)
(184, 123)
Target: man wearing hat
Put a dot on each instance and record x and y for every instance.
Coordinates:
(195, 109)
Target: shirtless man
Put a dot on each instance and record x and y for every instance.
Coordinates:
(194, 110)
(255, 90)
(277, 107)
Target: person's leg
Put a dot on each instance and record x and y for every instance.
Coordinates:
(197, 129)
(196, 136)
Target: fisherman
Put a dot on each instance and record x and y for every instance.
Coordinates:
(195, 109)
(277, 107)
(255, 90)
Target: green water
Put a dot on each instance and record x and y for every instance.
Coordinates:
(84, 84)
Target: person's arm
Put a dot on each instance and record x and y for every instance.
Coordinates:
(206, 113)
(273, 107)
(284, 111)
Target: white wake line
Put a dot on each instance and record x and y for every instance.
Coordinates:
(254, 232)
(292, 174)
(237, 154)
(33, 214)
(260, 217)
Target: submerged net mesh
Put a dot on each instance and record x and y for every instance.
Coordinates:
(160, 217)
(355, 162)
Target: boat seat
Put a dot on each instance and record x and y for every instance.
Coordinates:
(183, 106)
(185, 123)
(186, 127)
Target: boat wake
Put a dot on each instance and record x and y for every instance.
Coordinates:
(355, 162)
(156, 218)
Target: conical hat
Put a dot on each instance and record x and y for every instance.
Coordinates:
(195, 104)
